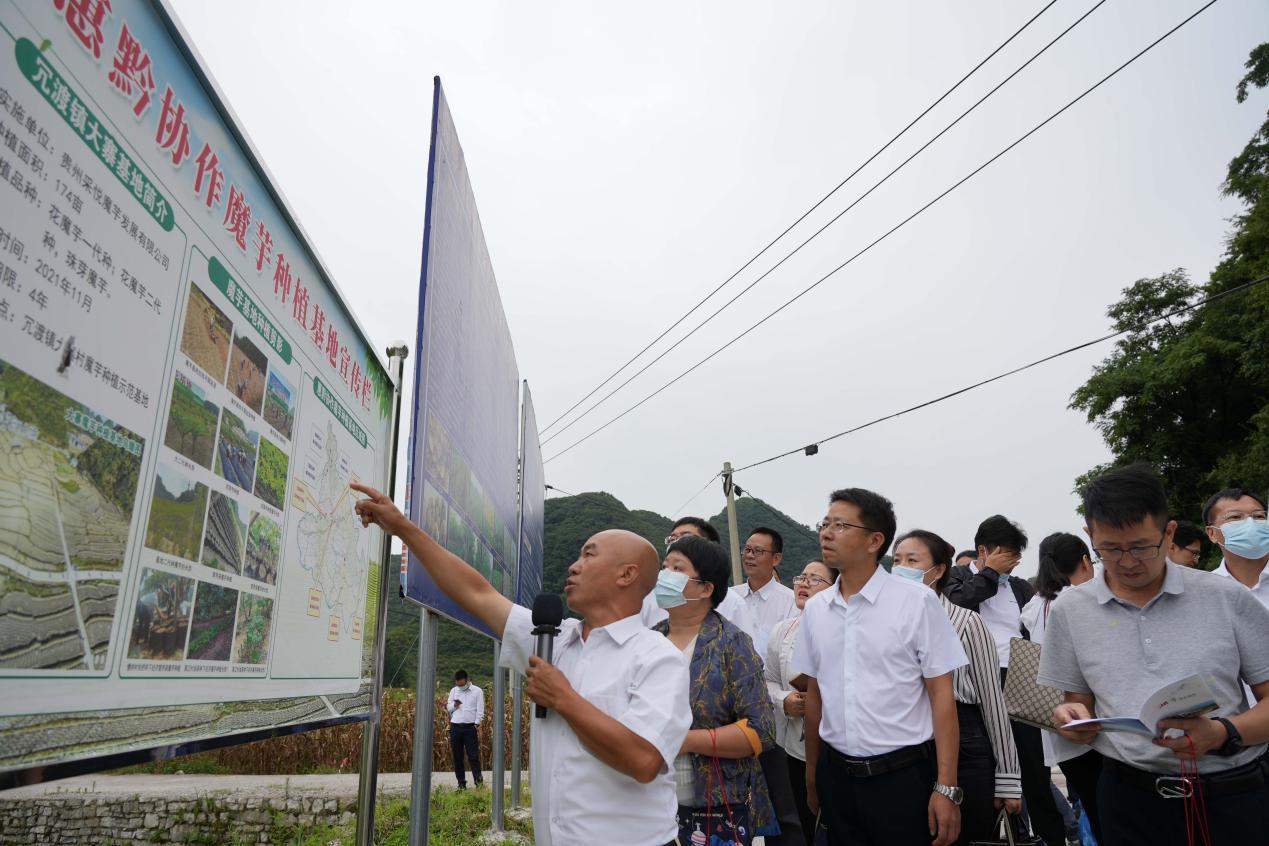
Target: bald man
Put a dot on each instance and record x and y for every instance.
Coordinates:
(601, 764)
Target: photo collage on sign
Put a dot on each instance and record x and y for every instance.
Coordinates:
(215, 520)
(458, 514)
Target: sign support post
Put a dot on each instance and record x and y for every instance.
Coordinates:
(517, 726)
(424, 717)
(369, 770)
(499, 763)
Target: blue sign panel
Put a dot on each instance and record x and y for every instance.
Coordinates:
(466, 388)
(532, 507)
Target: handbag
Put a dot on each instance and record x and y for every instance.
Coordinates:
(821, 831)
(1006, 834)
(710, 826)
(1026, 701)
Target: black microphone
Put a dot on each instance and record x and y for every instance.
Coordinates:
(548, 613)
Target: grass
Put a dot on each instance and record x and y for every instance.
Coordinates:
(457, 818)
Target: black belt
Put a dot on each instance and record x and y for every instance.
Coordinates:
(881, 764)
(1231, 782)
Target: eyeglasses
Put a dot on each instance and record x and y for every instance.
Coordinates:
(755, 551)
(836, 527)
(1113, 555)
(1238, 517)
(811, 581)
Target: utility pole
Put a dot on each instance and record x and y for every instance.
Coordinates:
(732, 528)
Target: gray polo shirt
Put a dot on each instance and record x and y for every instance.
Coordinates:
(1198, 623)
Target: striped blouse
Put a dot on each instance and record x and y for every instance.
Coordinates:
(982, 676)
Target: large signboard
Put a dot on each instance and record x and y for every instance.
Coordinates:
(184, 398)
(532, 507)
(466, 390)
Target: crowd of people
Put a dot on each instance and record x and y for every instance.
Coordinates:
(865, 705)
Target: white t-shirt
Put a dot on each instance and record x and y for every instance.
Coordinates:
(637, 677)
(768, 605)
(870, 657)
(1002, 615)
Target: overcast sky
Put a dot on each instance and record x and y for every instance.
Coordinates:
(627, 158)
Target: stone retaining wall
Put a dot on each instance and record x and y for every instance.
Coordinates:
(82, 818)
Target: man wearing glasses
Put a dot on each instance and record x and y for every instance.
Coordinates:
(882, 737)
(1141, 622)
(1186, 545)
(767, 601)
(1236, 522)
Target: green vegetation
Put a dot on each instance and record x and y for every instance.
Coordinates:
(264, 544)
(212, 633)
(176, 520)
(1188, 394)
(114, 472)
(271, 474)
(191, 424)
(33, 402)
(455, 818)
(251, 641)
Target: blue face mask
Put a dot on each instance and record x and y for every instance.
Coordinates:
(669, 589)
(909, 573)
(1003, 579)
(1247, 538)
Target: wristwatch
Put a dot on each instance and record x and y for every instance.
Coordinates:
(1233, 743)
(956, 794)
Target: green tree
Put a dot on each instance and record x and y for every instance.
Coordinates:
(1190, 394)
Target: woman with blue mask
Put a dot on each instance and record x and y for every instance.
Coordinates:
(721, 789)
(988, 769)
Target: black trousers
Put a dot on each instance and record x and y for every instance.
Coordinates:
(976, 774)
(1133, 816)
(462, 739)
(883, 810)
(1082, 774)
(775, 769)
(797, 780)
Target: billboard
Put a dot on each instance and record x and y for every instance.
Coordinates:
(464, 430)
(184, 397)
(532, 507)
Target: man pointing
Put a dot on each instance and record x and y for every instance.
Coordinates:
(601, 762)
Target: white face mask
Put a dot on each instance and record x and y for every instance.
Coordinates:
(910, 573)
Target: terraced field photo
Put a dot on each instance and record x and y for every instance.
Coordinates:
(206, 335)
(226, 534)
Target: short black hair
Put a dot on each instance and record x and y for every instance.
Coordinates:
(460, 675)
(1228, 493)
(777, 541)
(711, 562)
(1187, 533)
(875, 510)
(965, 553)
(939, 549)
(999, 530)
(1060, 556)
(704, 525)
(1126, 495)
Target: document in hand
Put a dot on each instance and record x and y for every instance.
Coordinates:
(1188, 697)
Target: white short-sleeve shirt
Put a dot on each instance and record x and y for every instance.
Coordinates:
(768, 605)
(637, 677)
(870, 657)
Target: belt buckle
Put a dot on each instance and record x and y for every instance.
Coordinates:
(1174, 787)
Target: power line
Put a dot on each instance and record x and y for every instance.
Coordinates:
(693, 497)
(805, 214)
(1136, 328)
(558, 490)
(831, 221)
(888, 233)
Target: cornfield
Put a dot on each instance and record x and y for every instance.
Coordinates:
(338, 749)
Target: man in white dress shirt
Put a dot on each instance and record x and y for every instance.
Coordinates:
(882, 737)
(601, 762)
(466, 707)
(767, 601)
(1236, 522)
